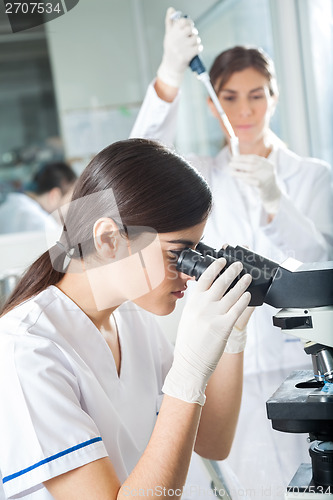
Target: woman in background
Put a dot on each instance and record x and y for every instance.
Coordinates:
(50, 188)
(267, 198)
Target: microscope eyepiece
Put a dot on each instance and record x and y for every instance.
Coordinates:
(195, 262)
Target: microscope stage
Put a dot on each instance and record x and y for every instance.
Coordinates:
(301, 404)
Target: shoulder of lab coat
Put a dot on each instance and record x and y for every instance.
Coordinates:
(157, 118)
(290, 164)
(304, 220)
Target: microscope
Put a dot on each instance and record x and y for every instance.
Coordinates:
(304, 401)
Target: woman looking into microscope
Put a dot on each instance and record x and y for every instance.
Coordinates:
(94, 403)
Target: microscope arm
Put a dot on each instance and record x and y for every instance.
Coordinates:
(301, 285)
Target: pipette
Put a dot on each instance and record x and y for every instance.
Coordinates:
(197, 67)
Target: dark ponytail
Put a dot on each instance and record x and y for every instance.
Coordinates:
(136, 182)
(38, 276)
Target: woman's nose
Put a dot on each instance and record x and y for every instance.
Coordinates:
(244, 108)
(186, 277)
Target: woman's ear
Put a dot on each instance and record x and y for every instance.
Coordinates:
(106, 237)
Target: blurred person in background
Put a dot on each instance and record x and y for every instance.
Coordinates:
(51, 187)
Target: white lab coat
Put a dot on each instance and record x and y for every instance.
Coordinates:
(19, 212)
(63, 404)
(303, 229)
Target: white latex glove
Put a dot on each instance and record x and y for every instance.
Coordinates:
(260, 173)
(237, 339)
(204, 328)
(181, 44)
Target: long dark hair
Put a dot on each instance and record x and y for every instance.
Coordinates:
(137, 181)
(239, 58)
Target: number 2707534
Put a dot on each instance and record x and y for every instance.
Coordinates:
(32, 8)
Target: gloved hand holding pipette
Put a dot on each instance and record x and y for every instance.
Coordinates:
(181, 44)
(181, 48)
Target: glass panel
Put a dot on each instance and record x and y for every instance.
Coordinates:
(316, 30)
(29, 122)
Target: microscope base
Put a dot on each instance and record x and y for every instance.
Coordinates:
(301, 486)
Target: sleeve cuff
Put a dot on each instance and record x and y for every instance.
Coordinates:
(54, 465)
